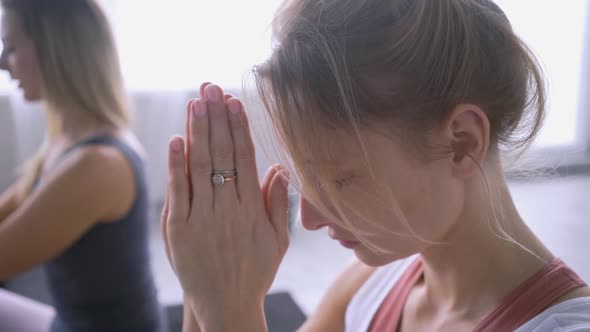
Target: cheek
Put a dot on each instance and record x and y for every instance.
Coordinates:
(26, 66)
(26, 69)
(433, 205)
(410, 202)
(373, 209)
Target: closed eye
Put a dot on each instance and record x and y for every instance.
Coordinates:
(344, 181)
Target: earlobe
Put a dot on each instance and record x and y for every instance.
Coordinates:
(469, 132)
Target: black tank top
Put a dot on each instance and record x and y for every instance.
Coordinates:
(103, 282)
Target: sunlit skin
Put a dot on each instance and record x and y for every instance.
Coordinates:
(445, 200)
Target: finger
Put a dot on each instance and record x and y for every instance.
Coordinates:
(227, 96)
(179, 194)
(166, 208)
(244, 153)
(221, 144)
(200, 158)
(278, 199)
(163, 228)
(189, 109)
(202, 89)
(270, 174)
(267, 178)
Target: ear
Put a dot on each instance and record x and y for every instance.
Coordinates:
(468, 131)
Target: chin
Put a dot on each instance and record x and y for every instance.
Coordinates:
(31, 97)
(373, 259)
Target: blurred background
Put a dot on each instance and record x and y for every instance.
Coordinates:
(167, 48)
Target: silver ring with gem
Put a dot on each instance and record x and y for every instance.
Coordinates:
(218, 178)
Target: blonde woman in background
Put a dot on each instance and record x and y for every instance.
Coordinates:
(393, 115)
(81, 206)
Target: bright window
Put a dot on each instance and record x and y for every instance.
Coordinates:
(180, 44)
(555, 32)
(176, 44)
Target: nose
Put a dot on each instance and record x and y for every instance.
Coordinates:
(3, 61)
(311, 218)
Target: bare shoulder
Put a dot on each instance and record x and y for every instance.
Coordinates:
(332, 309)
(108, 172)
(99, 163)
(576, 293)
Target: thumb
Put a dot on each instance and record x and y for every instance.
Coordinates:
(278, 205)
(164, 228)
(164, 224)
(270, 174)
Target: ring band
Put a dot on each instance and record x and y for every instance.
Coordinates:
(225, 172)
(218, 178)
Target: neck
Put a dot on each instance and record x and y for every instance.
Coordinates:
(72, 126)
(477, 266)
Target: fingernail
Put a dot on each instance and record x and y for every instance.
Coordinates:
(175, 144)
(203, 87)
(213, 93)
(199, 109)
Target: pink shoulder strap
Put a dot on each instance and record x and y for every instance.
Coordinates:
(532, 297)
(390, 312)
(524, 303)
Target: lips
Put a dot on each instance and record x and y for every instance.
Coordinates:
(345, 243)
(348, 244)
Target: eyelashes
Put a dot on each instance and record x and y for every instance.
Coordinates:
(343, 182)
(339, 183)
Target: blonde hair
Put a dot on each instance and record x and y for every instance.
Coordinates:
(404, 64)
(79, 66)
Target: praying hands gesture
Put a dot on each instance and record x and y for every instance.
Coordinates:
(225, 235)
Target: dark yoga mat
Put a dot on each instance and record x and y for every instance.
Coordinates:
(282, 314)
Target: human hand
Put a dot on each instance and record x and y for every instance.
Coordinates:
(227, 242)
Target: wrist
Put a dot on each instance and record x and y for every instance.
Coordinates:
(248, 317)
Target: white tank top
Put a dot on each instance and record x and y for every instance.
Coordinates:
(570, 316)
(365, 303)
